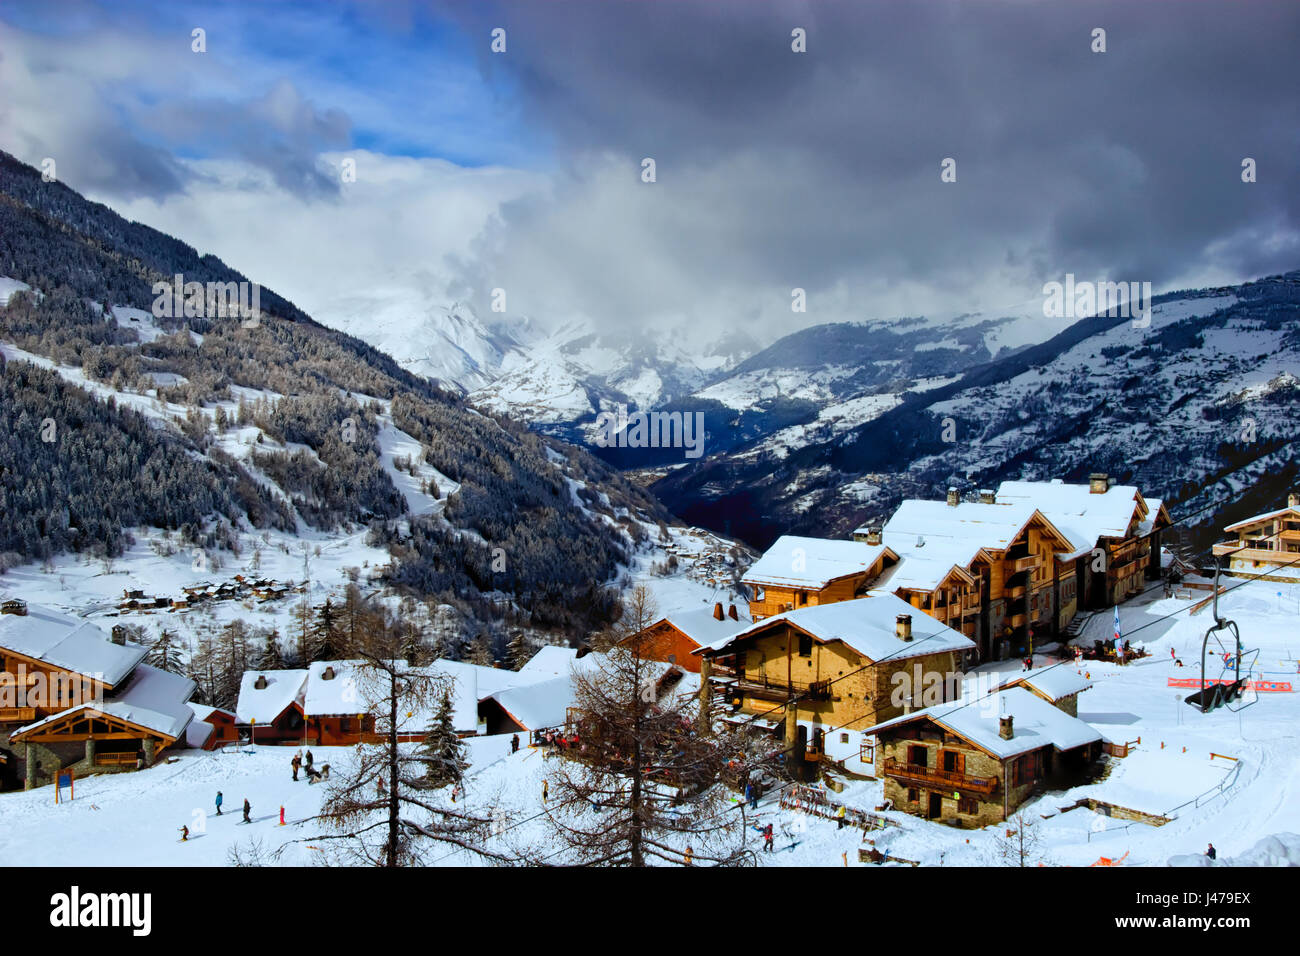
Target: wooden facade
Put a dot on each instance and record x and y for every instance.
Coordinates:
(773, 594)
(1266, 546)
(937, 774)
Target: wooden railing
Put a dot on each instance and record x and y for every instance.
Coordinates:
(932, 776)
(25, 714)
(115, 760)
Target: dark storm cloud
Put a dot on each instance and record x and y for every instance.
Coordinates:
(825, 166)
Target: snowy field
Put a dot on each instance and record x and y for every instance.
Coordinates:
(134, 819)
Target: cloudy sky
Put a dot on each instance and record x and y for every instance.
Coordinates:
(522, 170)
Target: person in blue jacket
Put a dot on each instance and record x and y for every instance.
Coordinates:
(218, 803)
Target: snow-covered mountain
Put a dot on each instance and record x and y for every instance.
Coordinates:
(1198, 407)
(569, 376)
(446, 342)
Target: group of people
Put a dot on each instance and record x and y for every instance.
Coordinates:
(299, 762)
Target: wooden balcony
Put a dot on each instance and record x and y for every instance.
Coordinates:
(1026, 564)
(780, 690)
(933, 778)
(11, 714)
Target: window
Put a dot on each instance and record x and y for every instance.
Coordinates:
(913, 795)
(918, 756)
(805, 645)
(968, 805)
(844, 738)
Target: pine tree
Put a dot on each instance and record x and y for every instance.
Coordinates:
(325, 633)
(165, 654)
(480, 651)
(272, 659)
(518, 651)
(441, 751)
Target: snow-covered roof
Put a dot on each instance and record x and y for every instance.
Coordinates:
(198, 733)
(69, 643)
(954, 534)
(1267, 516)
(153, 699)
(540, 705)
(914, 573)
(1154, 505)
(1035, 724)
(338, 695)
(203, 711)
(702, 627)
(1080, 515)
(796, 561)
(1055, 683)
(267, 703)
(551, 660)
(868, 625)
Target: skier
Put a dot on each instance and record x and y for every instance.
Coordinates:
(307, 760)
(839, 817)
(296, 763)
(749, 794)
(1211, 852)
(185, 834)
(767, 839)
(218, 803)
(546, 790)
(689, 855)
(247, 809)
(514, 744)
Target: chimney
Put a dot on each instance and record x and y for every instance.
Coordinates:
(327, 673)
(1293, 500)
(1098, 482)
(987, 497)
(1004, 727)
(731, 612)
(954, 498)
(903, 627)
(260, 683)
(717, 612)
(873, 536)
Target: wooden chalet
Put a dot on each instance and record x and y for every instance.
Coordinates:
(1114, 533)
(1266, 546)
(334, 711)
(797, 572)
(973, 764)
(1058, 685)
(270, 706)
(74, 697)
(676, 637)
(1011, 588)
(845, 665)
(211, 728)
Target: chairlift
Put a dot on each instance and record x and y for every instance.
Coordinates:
(1218, 694)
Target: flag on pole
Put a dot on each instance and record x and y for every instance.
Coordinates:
(1117, 634)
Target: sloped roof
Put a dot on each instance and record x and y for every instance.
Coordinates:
(965, 528)
(153, 699)
(1055, 683)
(1083, 517)
(796, 561)
(69, 643)
(263, 705)
(913, 573)
(1036, 723)
(338, 696)
(868, 625)
(540, 705)
(1264, 517)
(701, 626)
